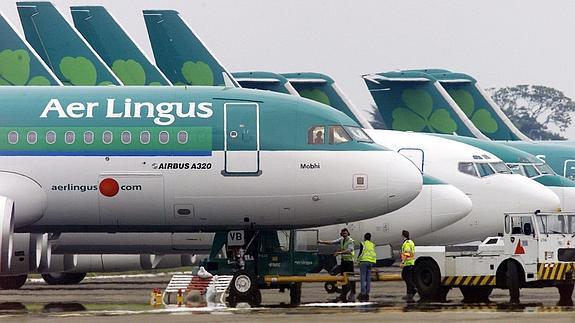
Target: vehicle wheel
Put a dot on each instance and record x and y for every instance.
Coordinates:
(256, 299)
(232, 300)
(13, 282)
(63, 278)
(331, 287)
(565, 294)
(243, 285)
(476, 294)
(427, 280)
(295, 294)
(513, 282)
(441, 296)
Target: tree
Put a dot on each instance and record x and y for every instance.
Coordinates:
(533, 108)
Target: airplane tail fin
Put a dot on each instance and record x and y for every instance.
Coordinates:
(415, 101)
(485, 114)
(61, 47)
(323, 89)
(180, 54)
(19, 63)
(265, 81)
(116, 47)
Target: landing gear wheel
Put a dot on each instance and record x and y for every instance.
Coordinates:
(565, 294)
(513, 282)
(295, 294)
(476, 294)
(13, 282)
(331, 287)
(63, 278)
(243, 285)
(427, 280)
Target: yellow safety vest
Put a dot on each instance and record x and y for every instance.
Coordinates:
(408, 253)
(367, 252)
(344, 244)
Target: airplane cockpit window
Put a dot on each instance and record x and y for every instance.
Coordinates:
(468, 168)
(484, 169)
(530, 171)
(516, 169)
(315, 135)
(501, 168)
(337, 135)
(545, 169)
(358, 134)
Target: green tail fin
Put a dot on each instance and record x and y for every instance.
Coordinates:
(265, 81)
(61, 46)
(323, 89)
(180, 54)
(478, 107)
(414, 101)
(116, 47)
(19, 63)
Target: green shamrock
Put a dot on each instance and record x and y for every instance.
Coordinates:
(481, 118)
(15, 69)
(129, 72)
(420, 114)
(198, 73)
(80, 71)
(316, 95)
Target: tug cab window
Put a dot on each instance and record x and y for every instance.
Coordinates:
(337, 135)
(315, 135)
(468, 168)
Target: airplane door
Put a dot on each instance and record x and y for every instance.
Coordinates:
(241, 139)
(569, 169)
(416, 156)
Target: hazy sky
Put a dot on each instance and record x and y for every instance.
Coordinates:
(499, 42)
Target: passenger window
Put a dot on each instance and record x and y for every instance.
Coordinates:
(484, 169)
(164, 137)
(69, 137)
(145, 137)
(337, 135)
(126, 137)
(315, 135)
(13, 137)
(107, 137)
(88, 137)
(530, 171)
(468, 168)
(32, 137)
(182, 137)
(50, 137)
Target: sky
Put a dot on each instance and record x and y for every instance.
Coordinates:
(500, 43)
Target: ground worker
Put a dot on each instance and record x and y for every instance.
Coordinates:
(407, 262)
(366, 259)
(346, 250)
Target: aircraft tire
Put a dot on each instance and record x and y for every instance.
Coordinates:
(243, 285)
(13, 282)
(427, 280)
(63, 278)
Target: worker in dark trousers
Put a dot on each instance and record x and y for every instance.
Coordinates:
(346, 250)
(407, 264)
(366, 258)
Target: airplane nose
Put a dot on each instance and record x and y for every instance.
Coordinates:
(567, 197)
(534, 196)
(449, 205)
(404, 182)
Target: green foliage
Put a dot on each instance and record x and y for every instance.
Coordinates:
(15, 69)
(198, 73)
(316, 95)
(480, 117)
(419, 114)
(78, 71)
(533, 108)
(129, 72)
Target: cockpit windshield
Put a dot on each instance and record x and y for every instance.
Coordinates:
(556, 223)
(501, 168)
(531, 170)
(545, 169)
(482, 169)
(358, 134)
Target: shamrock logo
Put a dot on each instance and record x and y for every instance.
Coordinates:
(79, 71)
(316, 95)
(420, 114)
(15, 69)
(481, 118)
(130, 72)
(198, 73)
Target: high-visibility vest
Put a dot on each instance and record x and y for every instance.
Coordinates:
(367, 252)
(408, 253)
(344, 245)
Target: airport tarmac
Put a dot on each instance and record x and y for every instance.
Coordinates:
(126, 298)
